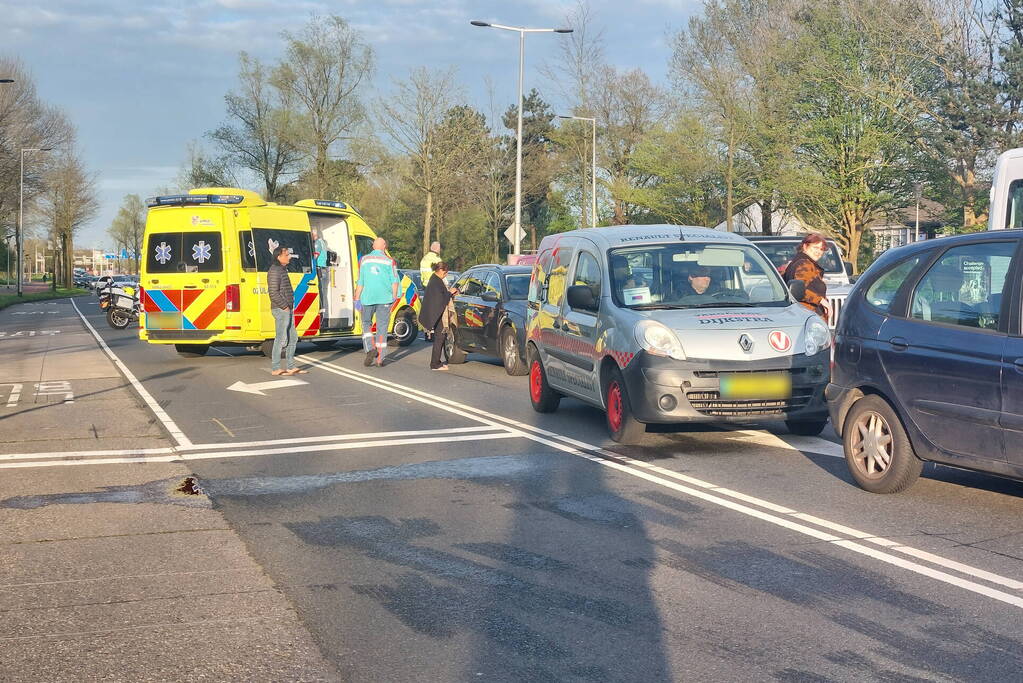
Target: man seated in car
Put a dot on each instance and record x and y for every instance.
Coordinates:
(700, 283)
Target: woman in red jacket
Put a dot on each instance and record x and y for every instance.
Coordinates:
(805, 267)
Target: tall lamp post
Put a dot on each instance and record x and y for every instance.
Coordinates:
(518, 137)
(593, 161)
(21, 210)
(917, 190)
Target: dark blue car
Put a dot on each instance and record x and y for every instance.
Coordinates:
(490, 315)
(929, 361)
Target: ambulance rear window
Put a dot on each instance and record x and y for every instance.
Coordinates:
(265, 240)
(184, 252)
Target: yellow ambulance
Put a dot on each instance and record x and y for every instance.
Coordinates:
(204, 263)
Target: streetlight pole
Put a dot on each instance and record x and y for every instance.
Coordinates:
(21, 210)
(593, 165)
(518, 137)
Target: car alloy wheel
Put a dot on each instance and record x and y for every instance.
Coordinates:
(871, 445)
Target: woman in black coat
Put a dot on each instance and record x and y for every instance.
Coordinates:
(433, 313)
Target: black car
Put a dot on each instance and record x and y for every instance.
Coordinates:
(490, 311)
(929, 361)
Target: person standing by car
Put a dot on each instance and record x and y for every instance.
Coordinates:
(430, 258)
(805, 267)
(282, 298)
(434, 313)
(375, 292)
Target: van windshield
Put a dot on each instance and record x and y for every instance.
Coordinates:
(687, 275)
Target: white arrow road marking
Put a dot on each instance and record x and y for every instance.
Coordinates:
(258, 387)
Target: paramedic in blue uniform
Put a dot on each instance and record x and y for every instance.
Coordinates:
(375, 293)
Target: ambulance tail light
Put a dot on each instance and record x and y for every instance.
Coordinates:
(233, 299)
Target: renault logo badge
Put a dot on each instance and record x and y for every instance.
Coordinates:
(745, 343)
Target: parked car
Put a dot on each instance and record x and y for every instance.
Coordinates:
(780, 249)
(929, 362)
(490, 312)
(105, 281)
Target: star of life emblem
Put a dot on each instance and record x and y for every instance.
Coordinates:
(201, 251)
(252, 249)
(163, 253)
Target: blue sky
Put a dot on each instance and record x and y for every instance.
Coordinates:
(141, 78)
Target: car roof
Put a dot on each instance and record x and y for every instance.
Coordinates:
(618, 235)
(503, 267)
(952, 240)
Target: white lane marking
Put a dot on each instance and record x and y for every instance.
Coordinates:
(338, 437)
(85, 454)
(811, 444)
(244, 444)
(633, 467)
(216, 455)
(258, 388)
(161, 414)
(15, 395)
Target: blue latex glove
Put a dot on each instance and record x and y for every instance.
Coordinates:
(358, 306)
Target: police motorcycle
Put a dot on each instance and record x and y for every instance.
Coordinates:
(121, 305)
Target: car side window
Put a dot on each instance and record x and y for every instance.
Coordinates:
(964, 287)
(493, 283)
(471, 284)
(556, 280)
(587, 273)
(882, 293)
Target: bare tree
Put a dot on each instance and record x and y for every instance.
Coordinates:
(326, 65)
(412, 117)
(68, 202)
(259, 134)
(128, 227)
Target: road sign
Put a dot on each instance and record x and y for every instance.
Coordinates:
(109, 255)
(515, 235)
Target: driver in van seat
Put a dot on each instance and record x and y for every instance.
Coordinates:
(700, 282)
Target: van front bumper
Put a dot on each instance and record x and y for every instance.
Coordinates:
(662, 390)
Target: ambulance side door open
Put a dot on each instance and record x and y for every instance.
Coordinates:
(338, 293)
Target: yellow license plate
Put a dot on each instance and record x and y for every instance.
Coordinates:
(762, 385)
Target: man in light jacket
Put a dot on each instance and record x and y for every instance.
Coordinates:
(375, 293)
(426, 265)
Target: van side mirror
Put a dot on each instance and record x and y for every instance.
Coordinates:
(581, 297)
(798, 289)
(848, 267)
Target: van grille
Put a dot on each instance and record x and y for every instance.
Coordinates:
(713, 374)
(710, 403)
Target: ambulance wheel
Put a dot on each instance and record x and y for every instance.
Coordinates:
(621, 424)
(541, 395)
(267, 348)
(191, 350)
(456, 356)
(406, 329)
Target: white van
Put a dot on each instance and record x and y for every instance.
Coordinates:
(669, 324)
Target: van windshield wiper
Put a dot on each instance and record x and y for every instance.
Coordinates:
(656, 307)
(726, 304)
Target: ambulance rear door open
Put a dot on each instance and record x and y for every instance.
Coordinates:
(340, 313)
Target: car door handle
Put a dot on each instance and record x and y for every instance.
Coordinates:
(1018, 363)
(898, 343)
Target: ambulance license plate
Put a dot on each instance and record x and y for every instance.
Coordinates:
(756, 385)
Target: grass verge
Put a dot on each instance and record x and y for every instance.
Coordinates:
(11, 299)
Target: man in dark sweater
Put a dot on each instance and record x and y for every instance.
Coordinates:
(282, 298)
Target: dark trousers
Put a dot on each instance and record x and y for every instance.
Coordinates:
(439, 337)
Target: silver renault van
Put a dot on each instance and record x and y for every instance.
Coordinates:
(669, 324)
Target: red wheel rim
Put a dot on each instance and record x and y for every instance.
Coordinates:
(536, 382)
(614, 406)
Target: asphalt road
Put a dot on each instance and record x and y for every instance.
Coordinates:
(431, 526)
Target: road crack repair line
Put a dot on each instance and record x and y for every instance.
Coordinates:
(779, 515)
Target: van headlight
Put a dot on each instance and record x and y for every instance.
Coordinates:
(817, 335)
(657, 339)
